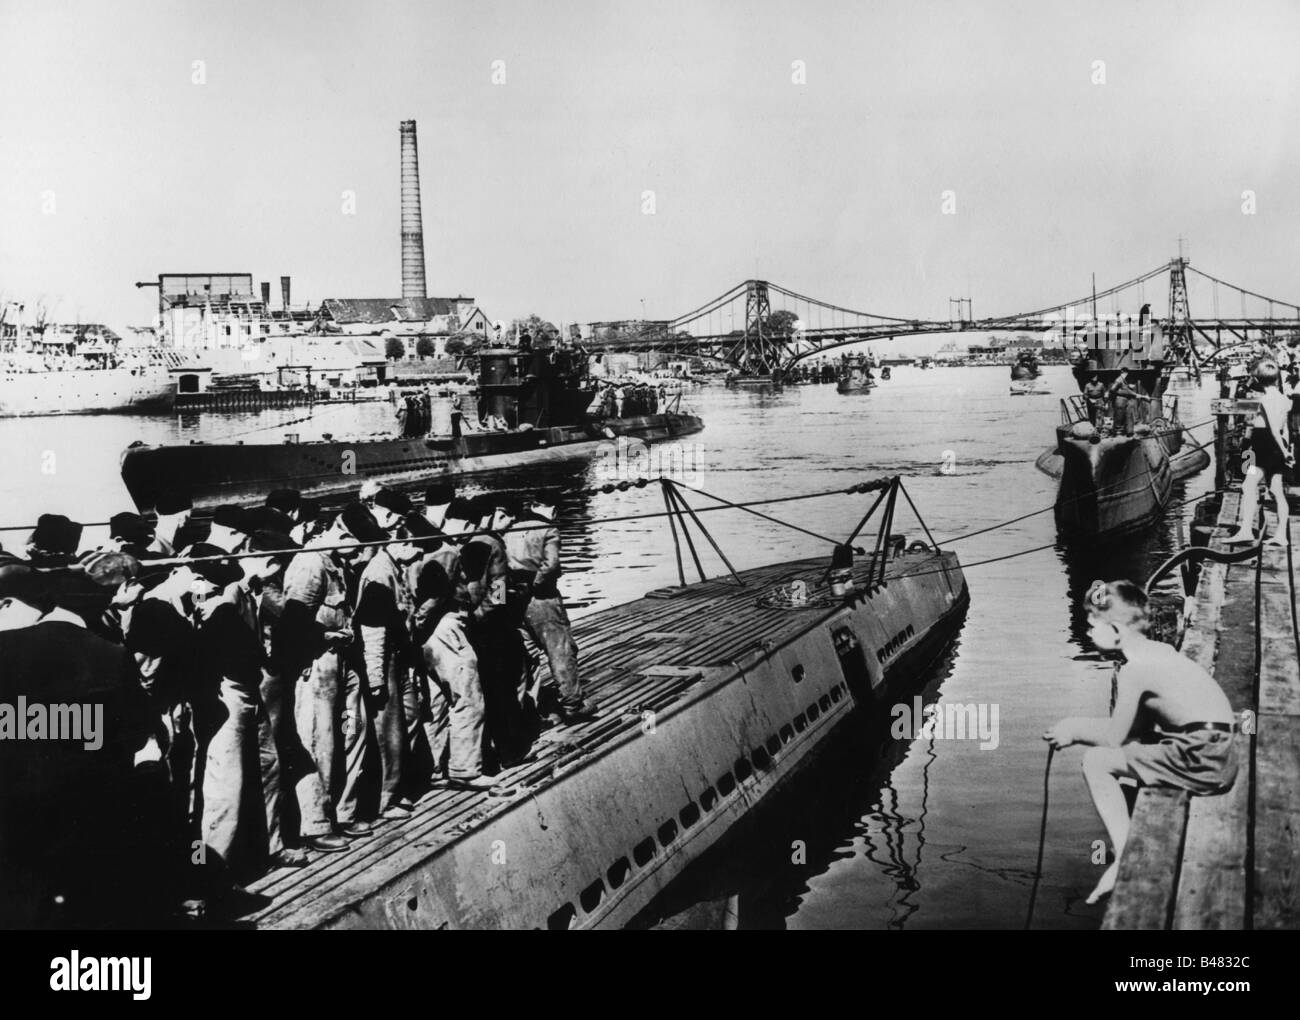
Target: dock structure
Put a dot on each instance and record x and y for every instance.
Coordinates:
(1231, 861)
(711, 694)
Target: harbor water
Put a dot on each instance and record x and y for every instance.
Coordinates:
(883, 831)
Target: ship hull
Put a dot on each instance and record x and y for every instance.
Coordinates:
(214, 474)
(1112, 488)
(86, 391)
(722, 703)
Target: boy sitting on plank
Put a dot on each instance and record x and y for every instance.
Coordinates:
(1185, 740)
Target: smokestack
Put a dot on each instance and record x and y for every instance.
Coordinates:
(412, 224)
(284, 292)
(266, 295)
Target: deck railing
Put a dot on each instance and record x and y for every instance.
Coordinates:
(1142, 411)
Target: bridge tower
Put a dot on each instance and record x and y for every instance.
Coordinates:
(757, 352)
(1181, 340)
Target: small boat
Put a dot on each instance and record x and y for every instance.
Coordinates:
(855, 375)
(1025, 374)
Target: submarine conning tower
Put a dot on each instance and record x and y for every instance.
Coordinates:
(540, 388)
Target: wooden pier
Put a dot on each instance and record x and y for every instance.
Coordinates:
(1232, 861)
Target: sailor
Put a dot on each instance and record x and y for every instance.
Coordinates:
(383, 615)
(314, 638)
(66, 858)
(1270, 454)
(494, 632)
(1121, 394)
(174, 510)
(54, 541)
(370, 489)
(161, 641)
(450, 659)
(229, 660)
(288, 502)
(130, 533)
(1094, 394)
(389, 508)
(437, 501)
(533, 552)
(286, 764)
(231, 529)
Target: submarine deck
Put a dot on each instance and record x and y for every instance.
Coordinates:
(639, 656)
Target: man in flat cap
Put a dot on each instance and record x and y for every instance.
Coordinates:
(130, 533)
(174, 509)
(54, 541)
(313, 640)
(287, 768)
(533, 548)
(494, 633)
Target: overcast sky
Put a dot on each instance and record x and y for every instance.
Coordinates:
(533, 187)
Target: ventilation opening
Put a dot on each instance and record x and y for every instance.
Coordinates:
(689, 816)
(726, 784)
(708, 798)
(762, 760)
(800, 722)
(743, 769)
(813, 712)
(773, 744)
(667, 832)
(592, 895)
(797, 674)
(643, 853)
(618, 872)
(824, 703)
(562, 919)
(787, 733)
(836, 694)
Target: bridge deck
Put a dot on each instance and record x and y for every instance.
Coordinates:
(1229, 861)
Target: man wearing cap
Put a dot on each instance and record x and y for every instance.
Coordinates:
(383, 617)
(285, 762)
(1270, 454)
(54, 541)
(533, 551)
(68, 854)
(130, 533)
(314, 641)
(494, 632)
(174, 510)
(451, 661)
(227, 701)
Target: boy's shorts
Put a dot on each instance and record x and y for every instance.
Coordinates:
(1202, 761)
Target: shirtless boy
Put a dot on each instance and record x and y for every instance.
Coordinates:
(1185, 713)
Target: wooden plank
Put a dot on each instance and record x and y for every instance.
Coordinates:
(1276, 903)
(1279, 676)
(1143, 899)
(1212, 879)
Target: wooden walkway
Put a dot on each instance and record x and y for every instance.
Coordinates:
(1230, 862)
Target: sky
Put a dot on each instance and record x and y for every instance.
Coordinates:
(810, 144)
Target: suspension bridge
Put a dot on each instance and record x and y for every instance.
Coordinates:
(762, 328)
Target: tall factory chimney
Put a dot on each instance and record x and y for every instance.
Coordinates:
(266, 296)
(412, 224)
(284, 292)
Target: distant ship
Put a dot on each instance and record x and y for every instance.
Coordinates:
(855, 375)
(84, 377)
(1113, 484)
(532, 407)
